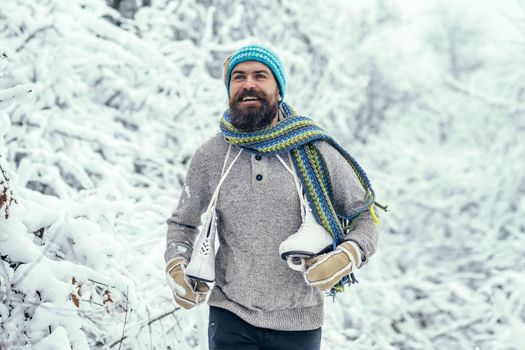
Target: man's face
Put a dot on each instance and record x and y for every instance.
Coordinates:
(254, 96)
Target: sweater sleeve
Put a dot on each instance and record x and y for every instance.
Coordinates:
(185, 220)
(349, 195)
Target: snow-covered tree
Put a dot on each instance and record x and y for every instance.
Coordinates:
(101, 110)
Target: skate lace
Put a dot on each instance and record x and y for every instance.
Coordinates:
(308, 220)
(224, 174)
(304, 203)
(204, 248)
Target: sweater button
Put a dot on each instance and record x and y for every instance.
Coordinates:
(258, 157)
(258, 177)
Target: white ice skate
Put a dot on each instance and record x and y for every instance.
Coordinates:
(310, 240)
(202, 262)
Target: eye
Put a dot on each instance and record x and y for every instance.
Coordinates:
(238, 77)
(261, 76)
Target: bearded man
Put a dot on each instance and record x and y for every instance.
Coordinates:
(286, 169)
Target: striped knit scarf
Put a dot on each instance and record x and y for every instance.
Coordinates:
(297, 134)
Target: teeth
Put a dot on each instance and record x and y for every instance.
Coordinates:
(250, 99)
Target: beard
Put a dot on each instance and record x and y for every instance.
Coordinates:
(252, 118)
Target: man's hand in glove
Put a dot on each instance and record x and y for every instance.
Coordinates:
(325, 270)
(187, 292)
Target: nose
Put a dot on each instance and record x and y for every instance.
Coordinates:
(249, 83)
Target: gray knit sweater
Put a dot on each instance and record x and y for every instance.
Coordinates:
(259, 208)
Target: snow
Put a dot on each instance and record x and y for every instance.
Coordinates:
(100, 114)
(58, 340)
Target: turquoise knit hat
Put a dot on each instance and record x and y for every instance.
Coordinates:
(260, 54)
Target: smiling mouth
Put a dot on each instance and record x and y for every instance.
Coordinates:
(249, 99)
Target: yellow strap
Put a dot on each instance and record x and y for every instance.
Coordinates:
(339, 287)
(374, 216)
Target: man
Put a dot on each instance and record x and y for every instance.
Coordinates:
(258, 301)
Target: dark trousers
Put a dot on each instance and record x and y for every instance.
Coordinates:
(226, 331)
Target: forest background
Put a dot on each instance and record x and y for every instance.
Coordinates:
(102, 104)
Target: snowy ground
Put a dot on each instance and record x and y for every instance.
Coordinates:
(99, 115)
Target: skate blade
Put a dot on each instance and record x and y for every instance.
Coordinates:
(304, 254)
(199, 278)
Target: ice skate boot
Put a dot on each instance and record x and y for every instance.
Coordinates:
(311, 239)
(202, 262)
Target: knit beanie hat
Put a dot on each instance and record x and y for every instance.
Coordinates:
(260, 54)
